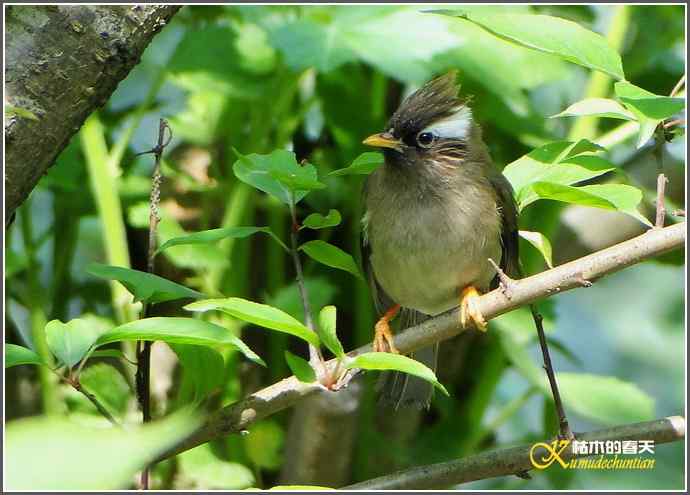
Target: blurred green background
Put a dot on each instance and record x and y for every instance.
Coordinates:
(317, 80)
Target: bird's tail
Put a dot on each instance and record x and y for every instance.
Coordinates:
(403, 390)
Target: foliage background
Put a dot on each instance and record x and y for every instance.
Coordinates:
(318, 80)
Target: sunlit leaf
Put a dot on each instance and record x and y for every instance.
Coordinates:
(332, 256)
(364, 164)
(177, 330)
(202, 467)
(327, 331)
(111, 457)
(552, 35)
(396, 362)
(300, 368)
(258, 314)
(600, 107)
(144, 286)
(215, 235)
(70, 341)
(541, 243)
(277, 174)
(319, 221)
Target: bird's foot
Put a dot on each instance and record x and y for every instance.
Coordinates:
(469, 309)
(383, 336)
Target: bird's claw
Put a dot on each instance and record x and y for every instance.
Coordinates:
(469, 309)
(383, 338)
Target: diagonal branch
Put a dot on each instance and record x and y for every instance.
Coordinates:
(578, 273)
(514, 459)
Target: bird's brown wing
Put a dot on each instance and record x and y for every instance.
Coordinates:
(510, 260)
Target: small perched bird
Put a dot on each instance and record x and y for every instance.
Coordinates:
(436, 213)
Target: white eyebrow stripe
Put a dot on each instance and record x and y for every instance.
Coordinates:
(455, 126)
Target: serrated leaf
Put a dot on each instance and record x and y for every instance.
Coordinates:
(396, 362)
(541, 243)
(600, 107)
(277, 174)
(258, 314)
(176, 330)
(144, 286)
(17, 354)
(552, 35)
(620, 197)
(364, 164)
(215, 235)
(300, 368)
(69, 342)
(319, 221)
(67, 451)
(332, 256)
(327, 331)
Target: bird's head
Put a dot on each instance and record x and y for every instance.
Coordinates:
(431, 130)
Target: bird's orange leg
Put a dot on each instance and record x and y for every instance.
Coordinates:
(469, 310)
(383, 337)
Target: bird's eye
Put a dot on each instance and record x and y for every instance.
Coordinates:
(425, 139)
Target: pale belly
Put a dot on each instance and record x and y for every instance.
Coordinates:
(425, 267)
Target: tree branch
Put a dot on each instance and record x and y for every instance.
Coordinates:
(63, 62)
(578, 273)
(514, 459)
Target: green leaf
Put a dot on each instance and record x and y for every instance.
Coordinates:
(204, 370)
(108, 385)
(264, 444)
(277, 174)
(618, 197)
(299, 488)
(397, 362)
(541, 243)
(600, 107)
(300, 368)
(144, 286)
(364, 164)
(17, 354)
(69, 342)
(327, 332)
(321, 292)
(551, 35)
(113, 353)
(215, 235)
(111, 457)
(258, 314)
(318, 221)
(201, 467)
(561, 162)
(332, 256)
(175, 330)
(605, 399)
(649, 109)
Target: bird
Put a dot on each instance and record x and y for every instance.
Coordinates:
(438, 218)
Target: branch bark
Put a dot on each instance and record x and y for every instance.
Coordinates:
(578, 273)
(63, 62)
(514, 459)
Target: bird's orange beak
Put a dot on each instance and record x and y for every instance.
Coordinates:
(383, 140)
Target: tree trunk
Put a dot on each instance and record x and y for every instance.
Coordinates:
(62, 63)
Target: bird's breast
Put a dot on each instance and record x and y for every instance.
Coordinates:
(426, 252)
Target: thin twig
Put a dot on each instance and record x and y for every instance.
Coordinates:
(661, 178)
(94, 400)
(563, 426)
(679, 85)
(516, 460)
(281, 395)
(143, 374)
(315, 356)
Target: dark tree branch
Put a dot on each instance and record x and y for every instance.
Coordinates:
(281, 395)
(62, 63)
(514, 460)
